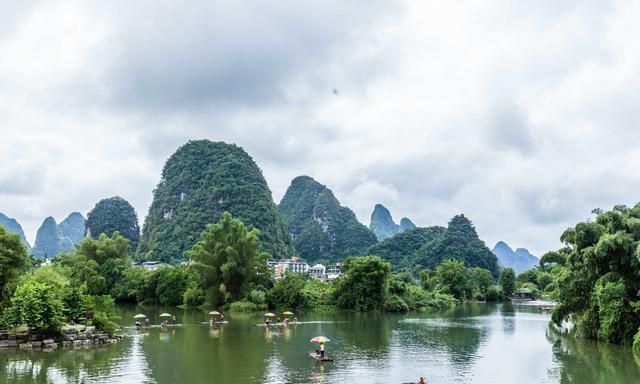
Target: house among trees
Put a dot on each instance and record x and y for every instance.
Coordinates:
(523, 294)
(294, 264)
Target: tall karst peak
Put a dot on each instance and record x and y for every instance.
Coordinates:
(320, 227)
(382, 223)
(199, 182)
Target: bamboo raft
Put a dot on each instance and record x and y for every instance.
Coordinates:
(320, 359)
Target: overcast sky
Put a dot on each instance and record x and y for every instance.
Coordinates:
(523, 115)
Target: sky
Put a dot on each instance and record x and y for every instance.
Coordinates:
(521, 115)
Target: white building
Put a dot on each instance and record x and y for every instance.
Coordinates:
(294, 264)
(318, 271)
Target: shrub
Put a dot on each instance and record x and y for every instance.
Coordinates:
(258, 297)
(636, 343)
(493, 294)
(193, 297)
(395, 304)
(37, 306)
(243, 306)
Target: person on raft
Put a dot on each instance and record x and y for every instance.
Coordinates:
(322, 350)
(421, 381)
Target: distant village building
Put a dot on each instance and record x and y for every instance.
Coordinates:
(148, 265)
(294, 264)
(318, 271)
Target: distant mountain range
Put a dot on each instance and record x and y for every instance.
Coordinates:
(53, 238)
(519, 260)
(382, 223)
(13, 226)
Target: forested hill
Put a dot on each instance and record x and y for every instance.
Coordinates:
(320, 227)
(114, 214)
(401, 249)
(200, 181)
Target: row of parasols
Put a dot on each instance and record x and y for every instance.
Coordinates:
(317, 339)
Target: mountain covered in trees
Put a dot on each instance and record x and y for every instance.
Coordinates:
(461, 242)
(382, 223)
(320, 227)
(50, 240)
(114, 214)
(200, 181)
(428, 247)
(12, 226)
(401, 249)
(73, 227)
(519, 260)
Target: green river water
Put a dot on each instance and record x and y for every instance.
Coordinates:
(474, 343)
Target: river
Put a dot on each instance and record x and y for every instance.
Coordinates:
(473, 343)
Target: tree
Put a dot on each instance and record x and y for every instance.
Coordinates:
(364, 285)
(508, 281)
(481, 280)
(453, 278)
(112, 215)
(37, 306)
(596, 277)
(13, 260)
(225, 259)
(287, 292)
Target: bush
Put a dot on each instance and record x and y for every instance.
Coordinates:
(258, 297)
(243, 306)
(395, 304)
(103, 310)
(317, 294)
(193, 297)
(287, 292)
(636, 343)
(493, 294)
(37, 306)
(418, 298)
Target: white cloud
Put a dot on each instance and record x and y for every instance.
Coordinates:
(521, 115)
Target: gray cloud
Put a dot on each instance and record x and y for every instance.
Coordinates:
(521, 115)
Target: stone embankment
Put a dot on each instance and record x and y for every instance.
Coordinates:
(71, 337)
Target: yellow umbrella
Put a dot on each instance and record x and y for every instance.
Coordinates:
(287, 313)
(269, 314)
(320, 339)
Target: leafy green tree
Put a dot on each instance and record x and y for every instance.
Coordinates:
(37, 306)
(427, 279)
(97, 264)
(453, 278)
(508, 281)
(225, 260)
(171, 285)
(597, 285)
(287, 292)
(114, 214)
(13, 261)
(481, 281)
(364, 285)
(102, 310)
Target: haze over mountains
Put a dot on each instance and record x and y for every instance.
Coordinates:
(202, 179)
(382, 223)
(520, 259)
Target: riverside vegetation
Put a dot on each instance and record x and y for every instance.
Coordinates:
(213, 208)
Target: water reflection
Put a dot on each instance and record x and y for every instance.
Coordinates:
(468, 344)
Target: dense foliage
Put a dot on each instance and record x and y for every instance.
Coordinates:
(364, 284)
(13, 261)
(114, 214)
(200, 181)
(507, 281)
(225, 260)
(37, 306)
(400, 250)
(461, 242)
(599, 283)
(320, 227)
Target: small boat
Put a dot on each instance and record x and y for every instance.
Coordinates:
(319, 359)
(215, 322)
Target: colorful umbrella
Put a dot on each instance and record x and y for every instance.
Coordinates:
(287, 313)
(139, 316)
(165, 315)
(214, 313)
(269, 314)
(320, 339)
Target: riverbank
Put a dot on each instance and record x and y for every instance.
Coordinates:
(71, 336)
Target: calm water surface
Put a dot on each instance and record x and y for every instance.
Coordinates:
(474, 343)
